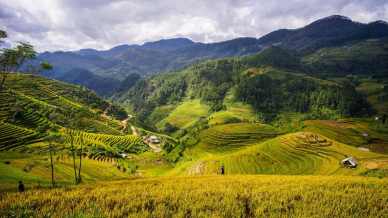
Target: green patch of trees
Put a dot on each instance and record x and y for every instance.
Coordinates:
(298, 94)
(12, 59)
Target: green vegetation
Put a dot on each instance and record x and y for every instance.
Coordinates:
(34, 170)
(186, 114)
(365, 57)
(32, 107)
(283, 114)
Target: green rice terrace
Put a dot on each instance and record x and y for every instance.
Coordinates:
(292, 124)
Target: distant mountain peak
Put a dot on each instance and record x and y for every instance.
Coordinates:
(168, 44)
(178, 39)
(335, 17)
(380, 22)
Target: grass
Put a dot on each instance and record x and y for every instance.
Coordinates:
(356, 132)
(373, 89)
(231, 136)
(235, 112)
(186, 114)
(291, 154)
(34, 170)
(208, 196)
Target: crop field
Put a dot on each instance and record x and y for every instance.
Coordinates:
(14, 137)
(357, 133)
(34, 170)
(187, 114)
(103, 144)
(35, 96)
(229, 136)
(208, 196)
(235, 112)
(291, 154)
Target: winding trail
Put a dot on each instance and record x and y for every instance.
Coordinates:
(154, 147)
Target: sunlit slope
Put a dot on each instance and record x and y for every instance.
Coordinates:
(368, 134)
(233, 136)
(186, 114)
(291, 154)
(209, 196)
(35, 169)
(31, 105)
(40, 102)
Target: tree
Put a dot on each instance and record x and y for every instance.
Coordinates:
(37, 69)
(79, 179)
(53, 137)
(75, 119)
(11, 59)
(3, 35)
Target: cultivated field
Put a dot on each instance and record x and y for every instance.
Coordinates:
(210, 196)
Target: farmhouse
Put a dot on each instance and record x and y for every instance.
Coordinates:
(154, 139)
(349, 162)
(123, 155)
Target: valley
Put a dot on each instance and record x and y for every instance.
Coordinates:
(292, 124)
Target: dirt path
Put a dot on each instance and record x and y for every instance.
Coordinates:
(124, 124)
(154, 147)
(134, 131)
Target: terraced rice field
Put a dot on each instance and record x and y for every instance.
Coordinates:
(13, 137)
(356, 133)
(291, 154)
(36, 99)
(103, 144)
(6, 102)
(229, 136)
(187, 114)
(34, 170)
(209, 196)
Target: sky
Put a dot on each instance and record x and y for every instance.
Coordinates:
(52, 25)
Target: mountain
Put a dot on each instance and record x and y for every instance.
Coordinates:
(173, 54)
(33, 106)
(365, 57)
(169, 44)
(330, 31)
(271, 82)
(102, 86)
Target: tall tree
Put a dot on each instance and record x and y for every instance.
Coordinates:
(74, 124)
(12, 59)
(52, 138)
(3, 35)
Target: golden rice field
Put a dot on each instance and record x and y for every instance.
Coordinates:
(208, 196)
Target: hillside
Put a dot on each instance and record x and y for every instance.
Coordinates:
(330, 31)
(209, 114)
(264, 82)
(270, 113)
(34, 108)
(227, 196)
(291, 154)
(363, 58)
(173, 54)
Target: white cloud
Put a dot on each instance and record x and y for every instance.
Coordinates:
(101, 24)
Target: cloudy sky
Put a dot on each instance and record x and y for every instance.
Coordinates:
(101, 24)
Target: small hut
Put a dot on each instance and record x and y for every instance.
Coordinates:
(350, 162)
(154, 139)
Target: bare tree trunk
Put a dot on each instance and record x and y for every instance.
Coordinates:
(52, 167)
(73, 154)
(4, 77)
(80, 165)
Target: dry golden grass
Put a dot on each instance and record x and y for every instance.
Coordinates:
(211, 196)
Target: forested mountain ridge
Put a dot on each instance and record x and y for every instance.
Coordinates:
(272, 82)
(172, 54)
